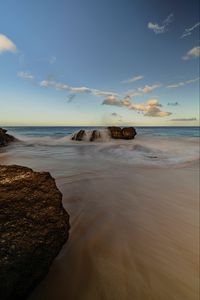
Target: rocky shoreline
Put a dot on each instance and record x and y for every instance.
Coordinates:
(34, 227)
(114, 132)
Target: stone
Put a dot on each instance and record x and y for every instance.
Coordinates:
(34, 227)
(79, 136)
(5, 138)
(95, 135)
(126, 133)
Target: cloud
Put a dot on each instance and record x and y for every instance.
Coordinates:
(112, 100)
(193, 53)
(163, 27)
(25, 75)
(64, 87)
(133, 79)
(182, 83)
(148, 89)
(71, 97)
(184, 119)
(52, 60)
(173, 103)
(151, 108)
(6, 44)
(141, 91)
(114, 114)
(188, 31)
(74, 90)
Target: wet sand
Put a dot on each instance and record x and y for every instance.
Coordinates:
(134, 228)
(134, 235)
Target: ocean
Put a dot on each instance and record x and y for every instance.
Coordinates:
(133, 206)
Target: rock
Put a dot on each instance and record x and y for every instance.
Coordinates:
(95, 135)
(79, 136)
(126, 133)
(5, 138)
(34, 227)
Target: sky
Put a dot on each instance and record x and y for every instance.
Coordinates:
(106, 62)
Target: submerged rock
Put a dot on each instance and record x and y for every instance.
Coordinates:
(5, 138)
(34, 227)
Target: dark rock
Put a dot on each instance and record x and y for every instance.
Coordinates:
(79, 136)
(5, 138)
(126, 133)
(34, 227)
(95, 135)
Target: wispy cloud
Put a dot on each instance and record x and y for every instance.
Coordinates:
(193, 53)
(163, 27)
(141, 91)
(74, 90)
(182, 83)
(52, 60)
(188, 31)
(184, 119)
(6, 44)
(71, 97)
(133, 79)
(173, 103)
(114, 114)
(151, 108)
(25, 75)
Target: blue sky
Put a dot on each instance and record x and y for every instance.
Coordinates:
(92, 62)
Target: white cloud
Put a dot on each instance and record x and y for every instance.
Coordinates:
(163, 27)
(188, 31)
(25, 75)
(193, 53)
(141, 91)
(6, 44)
(179, 84)
(133, 79)
(75, 90)
(148, 89)
(150, 109)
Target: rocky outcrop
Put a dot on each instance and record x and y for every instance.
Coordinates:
(5, 138)
(79, 135)
(34, 227)
(95, 135)
(126, 133)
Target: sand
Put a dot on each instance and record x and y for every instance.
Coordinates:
(134, 226)
(134, 235)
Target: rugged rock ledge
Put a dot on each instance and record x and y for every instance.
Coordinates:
(5, 138)
(34, 227)
(126, 133)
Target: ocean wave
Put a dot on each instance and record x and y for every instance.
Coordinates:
(143, 150)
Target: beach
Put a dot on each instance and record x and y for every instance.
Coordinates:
(134, 216)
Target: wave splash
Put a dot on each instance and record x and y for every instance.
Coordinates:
(143, 150)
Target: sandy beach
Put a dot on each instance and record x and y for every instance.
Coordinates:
(134, 229)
